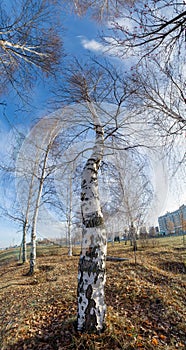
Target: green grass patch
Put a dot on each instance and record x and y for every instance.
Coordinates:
(11, 254)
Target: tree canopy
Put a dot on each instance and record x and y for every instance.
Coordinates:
(140, 27)
(29, 41)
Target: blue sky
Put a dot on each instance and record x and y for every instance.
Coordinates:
(80, 39)
(78, 33)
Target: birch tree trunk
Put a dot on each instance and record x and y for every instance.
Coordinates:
(35, 214)
(32, 164)
(69, 219)
(24, 247)
(91, 272)
(33, 231)
(33, 250)
(28, 205)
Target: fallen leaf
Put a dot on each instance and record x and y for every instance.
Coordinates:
(154, 341)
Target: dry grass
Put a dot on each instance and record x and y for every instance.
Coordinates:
(146, 301)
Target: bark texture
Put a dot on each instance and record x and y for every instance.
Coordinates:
(91, 273)
(69, 218)
(24, 246)
(33, 251)
(35, 214)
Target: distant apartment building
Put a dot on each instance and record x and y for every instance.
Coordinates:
(174, 222)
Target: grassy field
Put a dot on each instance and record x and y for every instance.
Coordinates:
(146, 299)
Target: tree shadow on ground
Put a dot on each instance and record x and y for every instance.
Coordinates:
(173, 266)
(57, 334)
(141, 299)
(180, 249)
(148, 317)
(137, 309)
(62, 335)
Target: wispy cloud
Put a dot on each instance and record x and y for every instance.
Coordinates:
(110, 48)
(92, 45)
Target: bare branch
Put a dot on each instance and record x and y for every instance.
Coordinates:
(29, 41)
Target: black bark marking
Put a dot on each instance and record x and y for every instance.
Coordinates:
(90, 324)
(94, 220)
(92, 263)
(83, 196)
(92, 252)
(89, 292)
(87, 265)
(84, 183)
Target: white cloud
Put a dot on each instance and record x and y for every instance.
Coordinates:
(110, 48)
(92, 45)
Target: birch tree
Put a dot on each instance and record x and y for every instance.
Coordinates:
(26, 181)
(26, 221)
(91, 276)
(160, 92)
(160, 96)
(33, 173)
(132, 190)
(100, 10)
(135, 187)
(29, 41)
(152, 35)
(102, 92)
(11, 207)
(151, 28)
(140, 27)
(36, 210)
(91, 271)
(15, 214)
(66, 203)
(69, 218)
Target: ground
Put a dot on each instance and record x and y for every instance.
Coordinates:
(145, 296)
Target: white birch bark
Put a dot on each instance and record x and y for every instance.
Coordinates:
(25, 225)
(26, 172)
(24, 246)
(52, 135)
(35, 216)
(35, 150)
(91, 273)
(69, 220)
